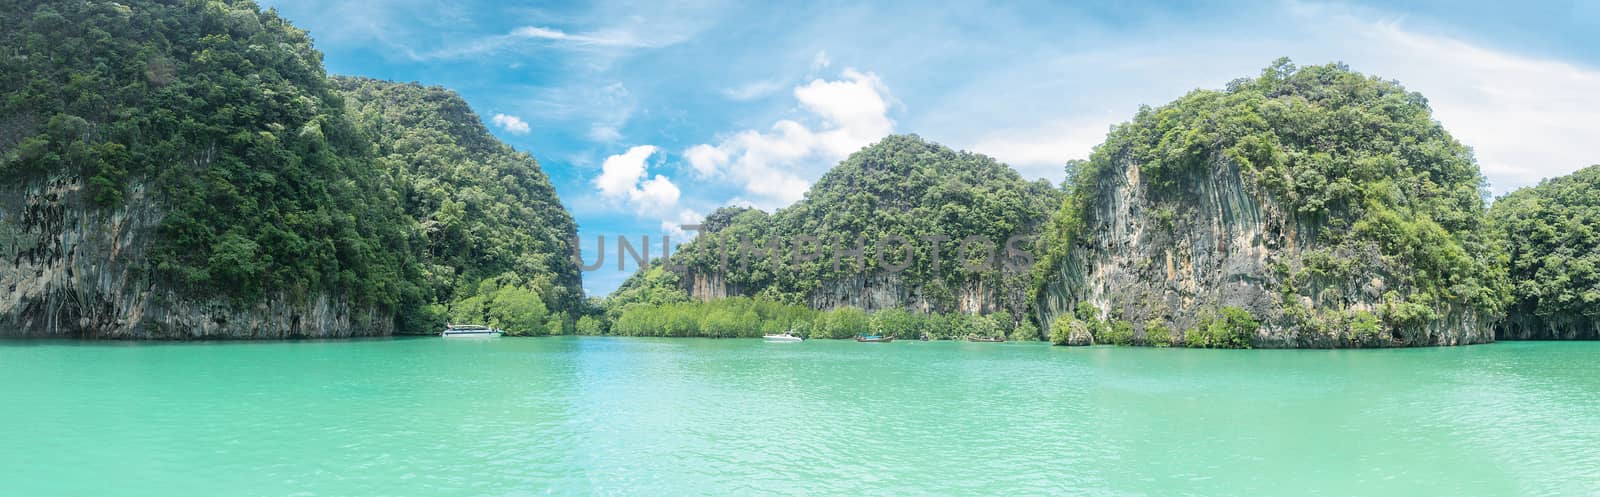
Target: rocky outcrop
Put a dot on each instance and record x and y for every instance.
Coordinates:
(1174, 258)
(1079, 336)
(67, 270)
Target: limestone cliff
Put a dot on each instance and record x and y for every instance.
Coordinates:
(188, 170)
(1221, 245)
(68, 271)
(1265, 197)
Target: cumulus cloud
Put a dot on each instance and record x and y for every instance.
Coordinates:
(775, 166)
(624, 178)
(620, 174)
(656, 194)
(510, 123)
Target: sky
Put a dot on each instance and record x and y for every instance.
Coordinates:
(649, 115)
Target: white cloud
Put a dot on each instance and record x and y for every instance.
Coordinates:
(513, 124)
(706, 159)
(1041, 151)
(613, 38)
(620, 174)
(673, 226)
(623, 179)
(775, 166)
(1526, 118)
(656, 194)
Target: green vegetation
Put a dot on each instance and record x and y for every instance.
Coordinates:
(1157, 334)
(225, 113)
(487, 211)
(1552, 236)
(1234, 328)
(1231, 328)
(1117, 332)
(753, 317)
(267, 187)
(1061, 331)
(1359, 160)
(507, 304)
(900, 187)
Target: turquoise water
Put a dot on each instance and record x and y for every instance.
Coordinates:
(664, 417)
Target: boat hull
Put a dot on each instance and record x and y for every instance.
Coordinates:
(471, 334)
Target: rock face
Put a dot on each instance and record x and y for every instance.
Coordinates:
(67, 271)
(1173, 260)
(1080, 336)
(1269, 198)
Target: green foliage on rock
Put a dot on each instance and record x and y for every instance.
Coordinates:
(890, 196)
(1552, 238)
(270, 182)
(1157, 334)
(1116, 332)
(224, 114)
(1232, 328)
(483, 208)
(1356, 183)
(1069, 330)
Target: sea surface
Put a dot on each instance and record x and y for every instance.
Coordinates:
(678, 417)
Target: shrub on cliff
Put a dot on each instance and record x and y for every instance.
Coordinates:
(1231, 328)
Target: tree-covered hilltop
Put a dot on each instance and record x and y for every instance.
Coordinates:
(1552, 237)
(191, 172)
(931, 197)
(487, 211)
(1329, 205)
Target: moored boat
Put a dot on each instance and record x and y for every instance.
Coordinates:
(874, 339)
(986, 339)
(469, 331)
(782, 337)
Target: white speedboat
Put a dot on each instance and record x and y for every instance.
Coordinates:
(782, 337)
(469, 331)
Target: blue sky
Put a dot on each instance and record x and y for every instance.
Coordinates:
(650, 114)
